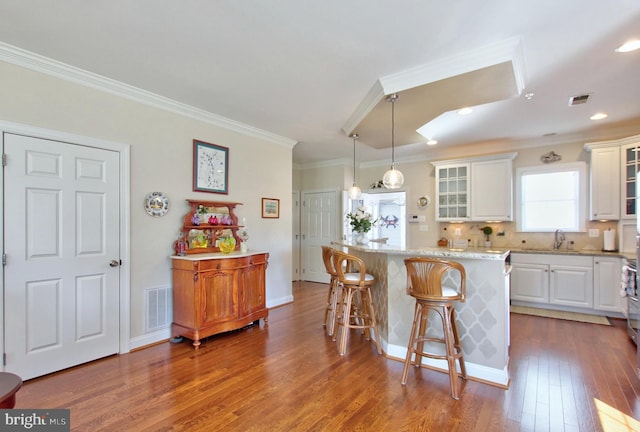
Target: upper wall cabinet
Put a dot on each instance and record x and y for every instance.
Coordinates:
(605, 184)
(614, 165)
(475, 189)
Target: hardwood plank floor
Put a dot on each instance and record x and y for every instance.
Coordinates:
(289, 377)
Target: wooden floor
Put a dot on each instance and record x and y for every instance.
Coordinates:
(565, 376)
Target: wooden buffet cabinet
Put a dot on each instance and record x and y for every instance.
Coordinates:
(215, 293)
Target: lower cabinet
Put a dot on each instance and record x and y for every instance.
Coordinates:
(573, 281)
(606, 284)
(215, 293)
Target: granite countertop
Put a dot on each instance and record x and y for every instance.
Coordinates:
(437, 252)
(583, 252)
(494, 253)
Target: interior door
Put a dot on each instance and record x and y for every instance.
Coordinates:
(295, 247)
(319, 227)
(61, 290)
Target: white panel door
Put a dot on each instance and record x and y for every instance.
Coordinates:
(62, 244)
(295, 247)
(319, 227)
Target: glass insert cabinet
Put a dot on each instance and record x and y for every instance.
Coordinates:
(631, 165)
(452, 192)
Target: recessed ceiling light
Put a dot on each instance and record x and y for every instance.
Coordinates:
(465, 111)
(529, 96)
(599, 116)
(432, 142)
(631, 45)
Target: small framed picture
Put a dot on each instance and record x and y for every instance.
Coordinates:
(210, 168)
(270, 208)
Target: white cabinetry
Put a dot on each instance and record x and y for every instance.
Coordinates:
(614, 165)
(452, 196)
(605, 183)
(606, 284)
(529, 281)
(566, 281)
(475, 189)
(571, 281)
(492, 190)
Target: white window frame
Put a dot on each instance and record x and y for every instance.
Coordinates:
(580, 167)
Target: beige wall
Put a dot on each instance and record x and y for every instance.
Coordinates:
(161, 160)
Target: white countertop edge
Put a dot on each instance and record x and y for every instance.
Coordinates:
(218, 255)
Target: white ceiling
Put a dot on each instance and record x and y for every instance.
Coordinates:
(315, 71)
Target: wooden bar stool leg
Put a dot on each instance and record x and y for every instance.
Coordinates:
(458, 345)
(373, 321)
(422, 331)
(346, 319)
(331, 312)
(451, 352)
(414, 328)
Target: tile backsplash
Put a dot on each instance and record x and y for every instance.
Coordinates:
(505, 236)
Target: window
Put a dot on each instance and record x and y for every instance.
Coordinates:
(551, 197)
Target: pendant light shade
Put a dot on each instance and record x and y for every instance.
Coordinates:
(392, 179)
(354, 191)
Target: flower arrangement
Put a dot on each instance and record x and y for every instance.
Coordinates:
(361, 221)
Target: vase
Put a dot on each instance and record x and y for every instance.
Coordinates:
(487, 243)
(361, 238)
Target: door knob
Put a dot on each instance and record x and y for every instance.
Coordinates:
(114, 263)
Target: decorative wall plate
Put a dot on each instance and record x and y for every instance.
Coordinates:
(424, 201)
(156, 204)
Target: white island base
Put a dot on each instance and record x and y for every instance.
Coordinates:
(483, 319)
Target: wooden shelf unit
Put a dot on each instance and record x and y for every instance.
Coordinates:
(211, 233)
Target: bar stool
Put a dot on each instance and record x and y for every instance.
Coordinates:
(356, 305)
(334, 290)
(425, 284)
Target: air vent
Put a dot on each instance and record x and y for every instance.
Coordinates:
(578, 100)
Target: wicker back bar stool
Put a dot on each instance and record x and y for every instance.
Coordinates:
(355, 309)
(425, 283)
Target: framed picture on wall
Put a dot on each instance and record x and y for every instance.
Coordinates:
(270, 208)
(210, 168)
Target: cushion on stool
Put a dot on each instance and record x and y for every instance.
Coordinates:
(449, 292)
(356, 277)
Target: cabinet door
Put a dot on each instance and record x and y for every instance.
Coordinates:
(452, 183)
(530, 282)
(605, 186)
(571, 286)
(492, 190)
(606, 284)
(219, 296)
(630, 165)
(252, 289)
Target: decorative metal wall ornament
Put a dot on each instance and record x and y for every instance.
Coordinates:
(550, 157)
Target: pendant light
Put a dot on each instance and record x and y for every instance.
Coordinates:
(354, 191)
(392, 179)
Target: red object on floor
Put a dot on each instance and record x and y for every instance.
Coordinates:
(9, 386)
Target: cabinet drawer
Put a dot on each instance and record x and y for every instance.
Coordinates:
(231, 263)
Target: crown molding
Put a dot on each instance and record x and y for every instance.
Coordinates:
(51, 67)
(371, 99)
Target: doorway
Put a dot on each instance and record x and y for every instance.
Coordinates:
(389, 209)
(64, 216)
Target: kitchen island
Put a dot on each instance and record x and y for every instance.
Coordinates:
(483, 319)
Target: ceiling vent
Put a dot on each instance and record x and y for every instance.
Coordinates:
(578, 100)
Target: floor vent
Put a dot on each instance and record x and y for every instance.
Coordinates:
(158, 302)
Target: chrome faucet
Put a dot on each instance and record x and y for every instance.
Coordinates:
(559, 238)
